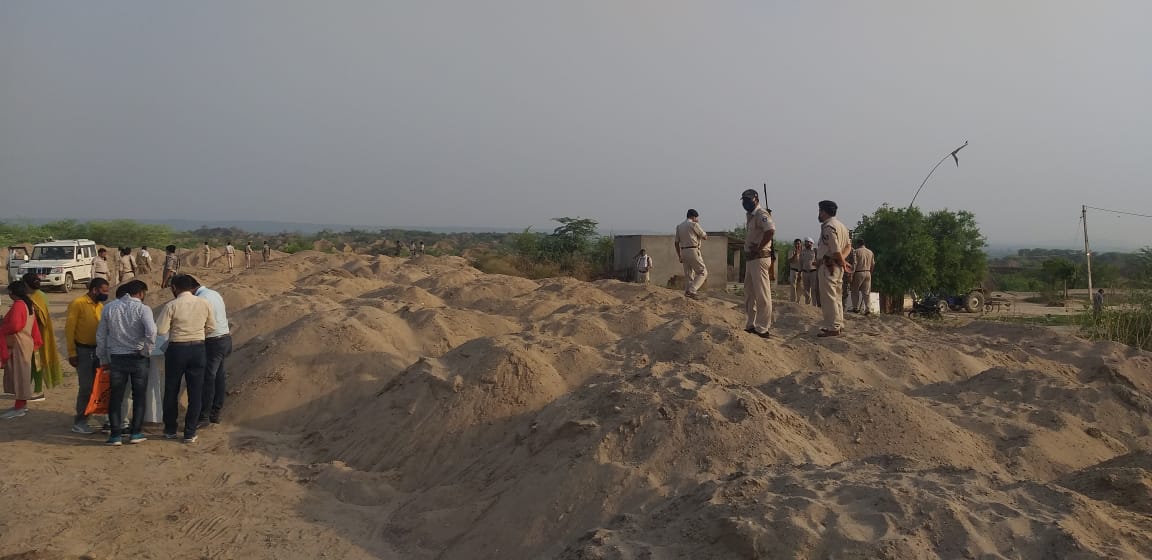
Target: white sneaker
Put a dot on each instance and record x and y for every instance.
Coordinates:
(36, 398)
(14, 413)
(82, 428)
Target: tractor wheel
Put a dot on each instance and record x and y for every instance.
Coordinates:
(974, 303)
(943, 307)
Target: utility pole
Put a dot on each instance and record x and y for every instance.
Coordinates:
(1087, 251)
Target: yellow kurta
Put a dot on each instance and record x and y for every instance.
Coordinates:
(47, 373)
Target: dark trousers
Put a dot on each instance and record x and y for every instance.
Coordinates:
(85, 377)
(217, 349)
(127, 369)
(183, 361)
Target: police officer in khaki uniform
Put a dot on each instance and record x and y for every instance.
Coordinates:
(862, 278)
(808, 261)
(100, 265)
(831, 255)
(689, 236)
(796, 269)
(758, 265)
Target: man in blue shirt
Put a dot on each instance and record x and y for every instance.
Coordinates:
(218, 346)
(124, 339)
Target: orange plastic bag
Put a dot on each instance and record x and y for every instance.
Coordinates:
(101, 393)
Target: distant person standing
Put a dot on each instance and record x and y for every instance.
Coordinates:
(266, 252)
(399, 247)
(124, 341)
(643, 267)
(862, 278)
(207, 250)
(831, 254)
(1098, 302)
(217, 347)
(186, 321)
(421, 247)
(171, 266)
(811, 282)
(248, 255)
(127, 265)
(689, 237)
(80, 342)
(143, 261)
(230, 253)
(46, 368)
(100, 265)
(796, 269)
(758, 268)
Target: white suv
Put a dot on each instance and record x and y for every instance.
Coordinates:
(61, 264)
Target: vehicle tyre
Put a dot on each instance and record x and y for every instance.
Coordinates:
(943, 306)
(67, 282)
(974, 302)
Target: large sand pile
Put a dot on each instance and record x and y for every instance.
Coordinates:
(476, 416)
(438, 412)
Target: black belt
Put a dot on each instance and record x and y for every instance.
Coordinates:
(214, 338)
(137, 355)
(692, 247)
(191, 343)
(859, 271)
(88, 346)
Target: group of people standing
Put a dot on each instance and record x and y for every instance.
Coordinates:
(230, 254)
(192, 329)
(803, 268)
(819, 270)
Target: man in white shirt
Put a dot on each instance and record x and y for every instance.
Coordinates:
(186, 321)
(643, 267)
(143, 261)
(217, 348)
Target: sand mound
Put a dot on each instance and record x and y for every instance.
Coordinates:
(611, 420)
(431, 411)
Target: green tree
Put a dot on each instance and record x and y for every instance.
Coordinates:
(905, 252)
(1058, 273)
(960, 263)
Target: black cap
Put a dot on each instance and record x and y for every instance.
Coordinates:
(750, 193)
(692, 213)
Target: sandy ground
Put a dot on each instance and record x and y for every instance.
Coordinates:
(417, 408)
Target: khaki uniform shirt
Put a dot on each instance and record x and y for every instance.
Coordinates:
(759, 224)
(100, 268)
(833, 239)
(188, 319)
(807, 260)
(865, 260)
(689, 235)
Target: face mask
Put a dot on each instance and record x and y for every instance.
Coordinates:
(748, 204)
(101, 297)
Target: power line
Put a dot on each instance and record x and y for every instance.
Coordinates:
(1120, 212)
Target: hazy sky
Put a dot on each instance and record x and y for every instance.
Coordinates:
(507, 113)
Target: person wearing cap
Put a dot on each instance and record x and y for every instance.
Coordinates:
(831, 256)
(689, 236)
(796, 270)
(758, 267)
(862, 277)
(808, 266)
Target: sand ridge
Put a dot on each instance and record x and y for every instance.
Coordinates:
(423, 409)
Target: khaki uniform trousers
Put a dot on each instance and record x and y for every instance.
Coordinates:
(861, 288)
(831, 298)
(801, 287)
(758, 294)
(694, 270)
(643, 277)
